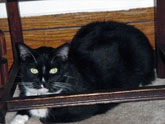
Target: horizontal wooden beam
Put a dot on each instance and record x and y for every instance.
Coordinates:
(82, 18)
(143, 94)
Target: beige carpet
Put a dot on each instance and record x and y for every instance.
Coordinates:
(150, 112)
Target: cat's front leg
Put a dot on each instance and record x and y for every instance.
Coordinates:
(20, 118)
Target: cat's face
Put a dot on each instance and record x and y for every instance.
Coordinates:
(43, 70)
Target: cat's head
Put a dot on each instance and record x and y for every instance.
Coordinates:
(43, 68)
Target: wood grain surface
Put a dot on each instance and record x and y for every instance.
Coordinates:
(54, 30)
(79, 19)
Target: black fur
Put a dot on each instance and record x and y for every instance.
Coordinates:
(101, 56)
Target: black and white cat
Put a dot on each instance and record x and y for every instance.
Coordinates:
(101, 56)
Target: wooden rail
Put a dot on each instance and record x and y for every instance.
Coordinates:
(143, 94)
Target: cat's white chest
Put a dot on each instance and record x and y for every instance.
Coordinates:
(36, 92)
(42, 113)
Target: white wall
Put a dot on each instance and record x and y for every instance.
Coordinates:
(47, 7)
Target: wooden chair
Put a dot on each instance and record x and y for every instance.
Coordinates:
(8, 84)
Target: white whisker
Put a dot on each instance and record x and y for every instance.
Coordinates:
(62, 85)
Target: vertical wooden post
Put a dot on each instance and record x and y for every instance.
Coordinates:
(16, 35)
(3, 64)
(3, 72)
(15, 25)
(3, 75)
(160, 35)
(2, 113)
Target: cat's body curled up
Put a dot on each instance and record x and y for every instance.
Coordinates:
(101, 56)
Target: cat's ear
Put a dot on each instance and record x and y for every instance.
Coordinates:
(23, 51)
(63, 51)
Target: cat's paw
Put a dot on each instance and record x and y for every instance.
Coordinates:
(20, 119)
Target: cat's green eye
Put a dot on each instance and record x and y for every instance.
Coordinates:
(53, 71)
(34, 70)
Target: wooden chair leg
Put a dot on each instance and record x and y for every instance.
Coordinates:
(160, 36)
(15, 25)
(2, 112)
(3, 77)
(3, 61)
